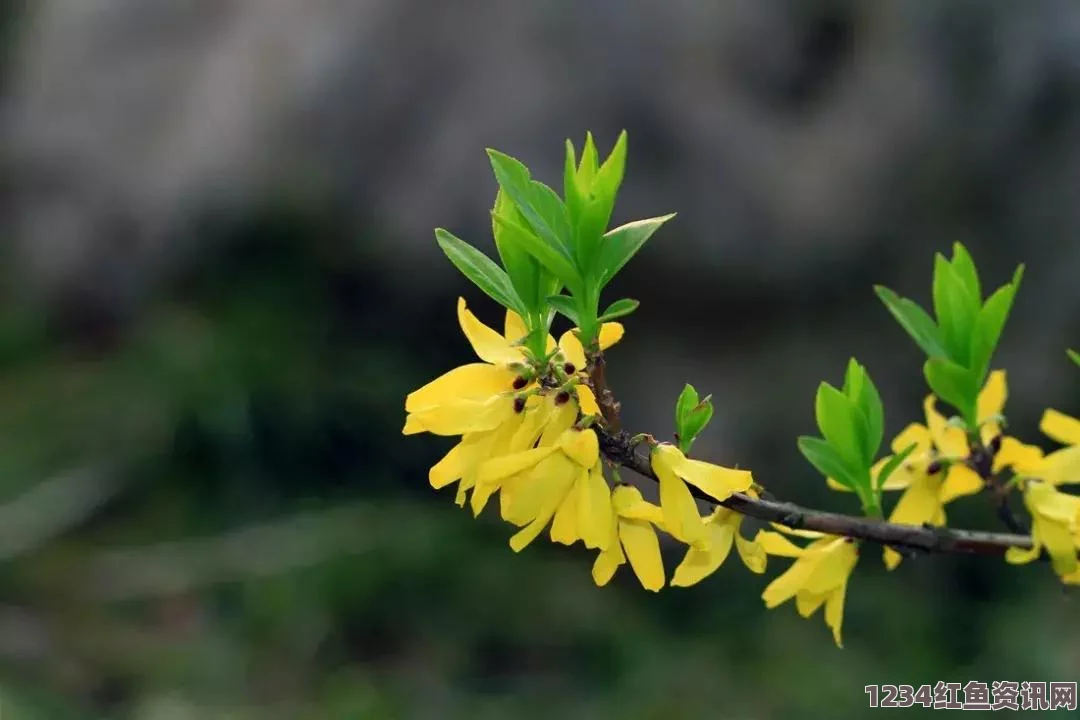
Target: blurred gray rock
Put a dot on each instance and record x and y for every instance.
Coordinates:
(805, 145)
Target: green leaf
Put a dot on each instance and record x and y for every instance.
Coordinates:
(622, 243)
(892, 463)
(827, 461)
(837, 422)
(1075, 356)
(688, 398)
(956, 311)
(618, 309)
(915, 321)
(953, 384)
(694, 422)
(558, 264)
(566, 306)
(481, 269)
(589, 166)
(964, 267)
(523, 269)
(571, 191)
(991, 322)
(539, 204)
(860, 388)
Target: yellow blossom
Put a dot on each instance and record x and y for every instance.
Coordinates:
(819, 575)
(1055, 526)
(1062, 466)
(542, 478)
(723, 527)
(674, 470)
(631, 520)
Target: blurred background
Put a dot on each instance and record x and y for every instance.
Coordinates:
(220, 281)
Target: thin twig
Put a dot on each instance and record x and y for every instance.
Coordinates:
(619, 447)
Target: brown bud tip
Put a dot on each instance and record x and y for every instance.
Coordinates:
(562, 398)
(933, 468)
(995, 445)
(520, 382)
(519, 404)
(569, 368)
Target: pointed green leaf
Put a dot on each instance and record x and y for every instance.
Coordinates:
(523, 268)
(688, 398)
(964, 267)
(571, 192)
(991, 322)
(956, 311)
(540, 205)
(622, 243)
(867, 400)
(550, 258)
(589, 165)
(694, 422)
(827, 461)
(918, 324)
(953, 384)
(836, 420)
(566, 306)
(1074, 356)
(618, 309)
(481, 269)
(892, 463)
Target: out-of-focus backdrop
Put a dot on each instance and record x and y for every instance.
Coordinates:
(220, 281)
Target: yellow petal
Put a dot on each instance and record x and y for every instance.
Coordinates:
(514, 329)
(807, 602)
(837, 559)
(1058, 540)
(1061, 467)
(561, 419)
(776, 544)
(610, 333)
(587, 400)
(412, 426)
(834, 613)
(594, 510)
(992, 398)
(793, 532)
(499, 468)
(489, 345)
(920, 503)
(572, 350)
(891, 558)
(606, 563)
(537, 414)
(1022, 458)
(913, 467)
(752, 554)
(681, 517)
(643, 551)
(528, 492)
(718, 482)
(784, 587)
(961, 481)
(449, 469)
(950, 441)
(581, 446)
(564, 527)
(913, 433)
(475, 381)
(555, 489)
(1060, 427)
(466, 416)
(699, 564)
(1022, 556)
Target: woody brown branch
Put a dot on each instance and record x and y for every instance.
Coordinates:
(618, 446)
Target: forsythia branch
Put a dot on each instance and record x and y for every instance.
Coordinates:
(619, 447)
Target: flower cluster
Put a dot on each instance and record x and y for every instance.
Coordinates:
(533, 415)
(526, 435)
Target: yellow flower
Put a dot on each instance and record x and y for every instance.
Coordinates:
(723, 527)
(631, 520)
(819, 575)
(542, 478)
(1055, 526)
(1061, 467)
(674, 470)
